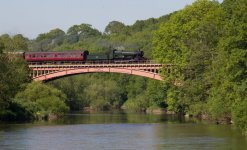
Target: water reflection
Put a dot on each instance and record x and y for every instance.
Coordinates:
(117, 117)
(119, 130)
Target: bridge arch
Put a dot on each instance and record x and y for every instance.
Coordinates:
(45, 72)
(54, 73)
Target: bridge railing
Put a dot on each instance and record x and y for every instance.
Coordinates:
(95, 64)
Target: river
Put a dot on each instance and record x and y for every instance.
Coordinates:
(120, 131)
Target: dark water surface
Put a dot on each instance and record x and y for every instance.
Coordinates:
(122, 131)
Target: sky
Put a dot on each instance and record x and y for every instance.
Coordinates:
(32, 17)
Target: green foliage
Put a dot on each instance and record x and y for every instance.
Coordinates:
(207, 44)
(139, 103)
(144, 94)
(99, 91)
(50, 35)
(15, 43)
(189, 34)
(156, 93)
(83, 30)
(229, 78)
(136, 86)
(240, 115)
(103, 94)
(41, 100)
(73, 88)
(188, 41)
(115, 27)
(46, 41)
(14, 73)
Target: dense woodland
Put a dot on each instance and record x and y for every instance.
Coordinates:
(206, 42)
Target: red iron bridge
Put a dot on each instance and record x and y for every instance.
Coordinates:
(46, 72)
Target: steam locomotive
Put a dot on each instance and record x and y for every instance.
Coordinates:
(83, 56)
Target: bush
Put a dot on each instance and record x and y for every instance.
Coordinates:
(41, 100)
(240, 115)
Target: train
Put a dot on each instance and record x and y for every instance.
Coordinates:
(84, 56)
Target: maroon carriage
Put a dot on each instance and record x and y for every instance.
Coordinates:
(55, 56)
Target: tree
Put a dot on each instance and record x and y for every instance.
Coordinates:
(47, 41)
(188, 41)
(228, 93)
(1, 46)
(42, 100)
(73, 87)
(83, 31)
(20, 42)
(115, 27)
(7, 42)
(52, 34)
(103, 95)
(14, 74)
(156, 94)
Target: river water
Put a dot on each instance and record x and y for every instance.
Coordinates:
(120, 131)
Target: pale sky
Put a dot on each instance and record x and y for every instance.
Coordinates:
(32, 17)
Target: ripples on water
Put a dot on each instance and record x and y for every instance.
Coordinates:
(110, 131)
